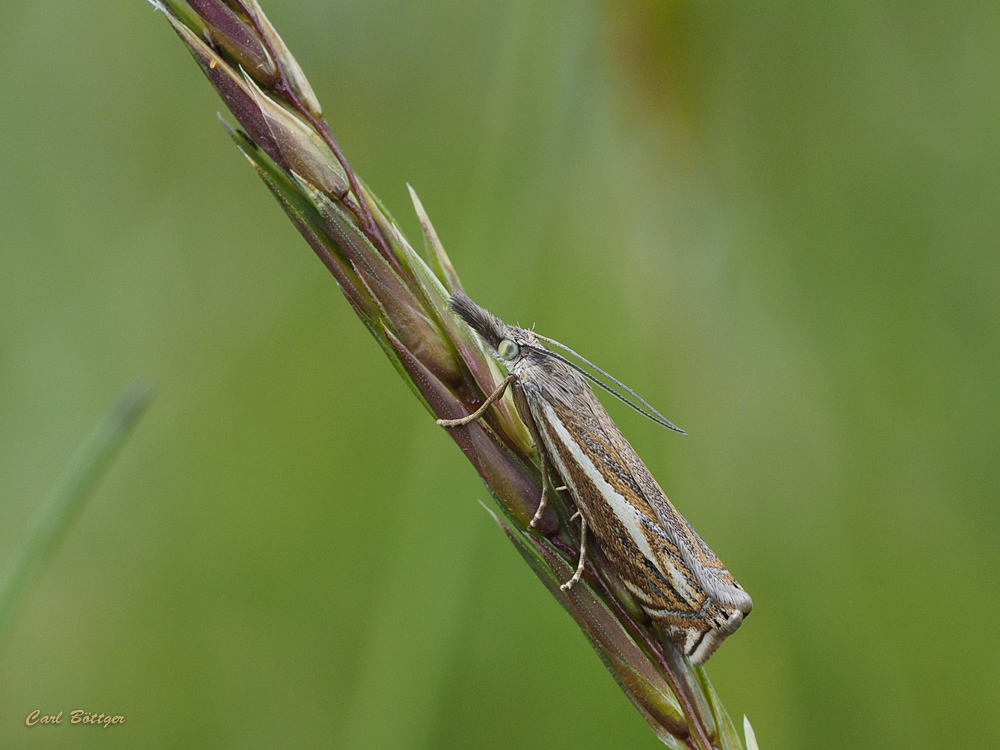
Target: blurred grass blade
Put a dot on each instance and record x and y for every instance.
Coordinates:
(57, 511)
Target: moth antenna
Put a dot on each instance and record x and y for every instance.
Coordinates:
(652, 414)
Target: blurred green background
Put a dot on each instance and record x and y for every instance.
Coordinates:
(780, 222)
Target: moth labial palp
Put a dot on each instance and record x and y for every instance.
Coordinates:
(663, 562)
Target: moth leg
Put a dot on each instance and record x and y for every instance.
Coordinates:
(525, 413)
(482, 409)
(583, 555)
(546, 484)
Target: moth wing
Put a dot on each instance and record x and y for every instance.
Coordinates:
(713, 604)
(703, 636)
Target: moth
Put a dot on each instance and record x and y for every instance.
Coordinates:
(663, 562)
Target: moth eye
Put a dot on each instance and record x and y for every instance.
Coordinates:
(508, 350)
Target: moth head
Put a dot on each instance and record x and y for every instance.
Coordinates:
(507, 341)
(518, 347)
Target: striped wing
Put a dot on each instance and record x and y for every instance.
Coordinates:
(678, 580)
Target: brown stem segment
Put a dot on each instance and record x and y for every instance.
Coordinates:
(361, 210)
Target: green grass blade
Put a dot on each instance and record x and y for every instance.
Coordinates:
(60, 507)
